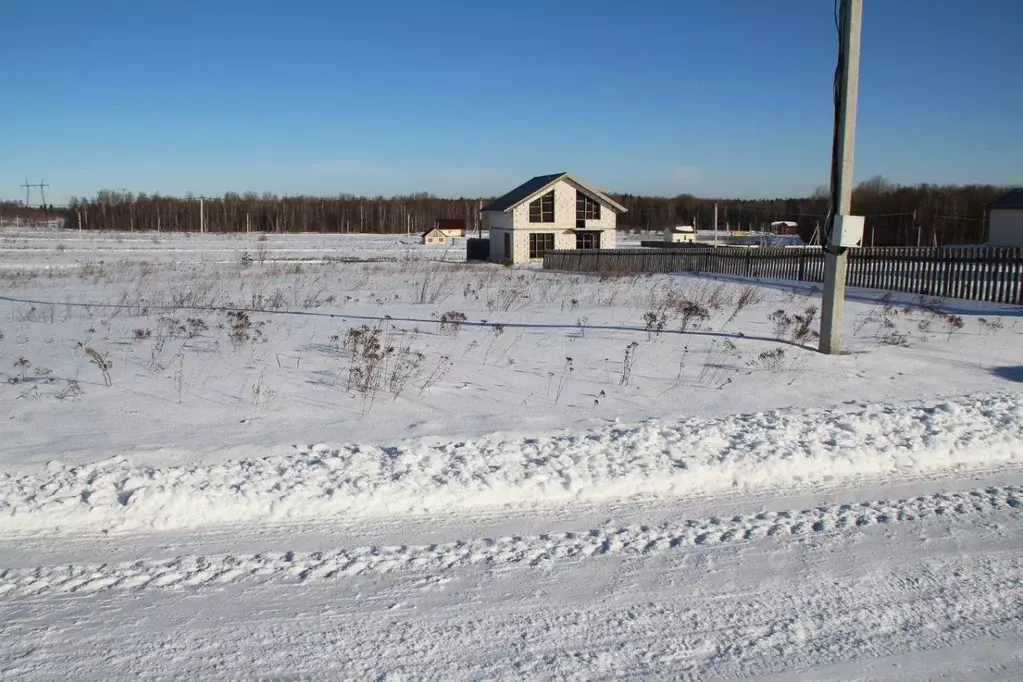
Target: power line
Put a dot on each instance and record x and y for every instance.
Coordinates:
(956, 217)
(784, 213)
(342, 316)
(815, 215)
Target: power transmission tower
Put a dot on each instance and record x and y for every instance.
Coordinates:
(42, 185)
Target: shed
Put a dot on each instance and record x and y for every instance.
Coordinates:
(1005, 219)
(680, 234)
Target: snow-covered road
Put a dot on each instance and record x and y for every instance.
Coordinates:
(905, 588)
(878, 540)
(504, 551)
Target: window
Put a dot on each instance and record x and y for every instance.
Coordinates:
(587, 240)
(542, 210)
(586, 208)
(540, 243)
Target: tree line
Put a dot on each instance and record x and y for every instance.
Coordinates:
(250, 212)
(896, 215)
(13, 212)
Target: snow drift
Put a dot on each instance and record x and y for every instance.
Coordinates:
(654, 460)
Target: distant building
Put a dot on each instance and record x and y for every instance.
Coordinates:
(785, 227)
(1005, 220)
(434, 236)
(680, 234)
(451, 227)
(550, 212)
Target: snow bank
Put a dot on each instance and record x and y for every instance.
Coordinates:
(783, 448)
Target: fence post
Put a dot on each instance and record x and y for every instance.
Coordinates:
(947, 280)
(1017, 272)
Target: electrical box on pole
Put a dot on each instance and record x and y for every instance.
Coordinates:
(847, 231)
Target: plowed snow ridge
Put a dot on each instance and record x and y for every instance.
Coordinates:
(783, 448)
(196, 571)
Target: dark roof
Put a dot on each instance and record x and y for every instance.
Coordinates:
(432, 229)
(521, 192)
(450, 223)
(1013, 199)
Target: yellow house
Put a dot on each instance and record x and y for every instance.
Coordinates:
(434, 236)
(450, 227)
(680, 234)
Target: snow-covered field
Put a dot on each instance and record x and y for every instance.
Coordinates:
(323, 456)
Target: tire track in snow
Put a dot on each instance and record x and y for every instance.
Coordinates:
(200, 571)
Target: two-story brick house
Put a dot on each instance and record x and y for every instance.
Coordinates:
(550, 212)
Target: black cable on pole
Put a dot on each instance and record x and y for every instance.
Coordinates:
(829, 220)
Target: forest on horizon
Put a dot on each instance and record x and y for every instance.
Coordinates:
(896, 214)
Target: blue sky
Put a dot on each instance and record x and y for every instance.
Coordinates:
(728, 98)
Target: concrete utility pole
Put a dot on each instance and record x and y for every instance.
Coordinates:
(715, 223)
(202, 216)
(836, 258)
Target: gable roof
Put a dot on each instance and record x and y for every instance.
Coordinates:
(534, 186)
(431, 231)
(1013, 199)
(449, 223)
(522, 192)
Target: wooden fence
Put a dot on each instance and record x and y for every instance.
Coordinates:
(981, 273)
